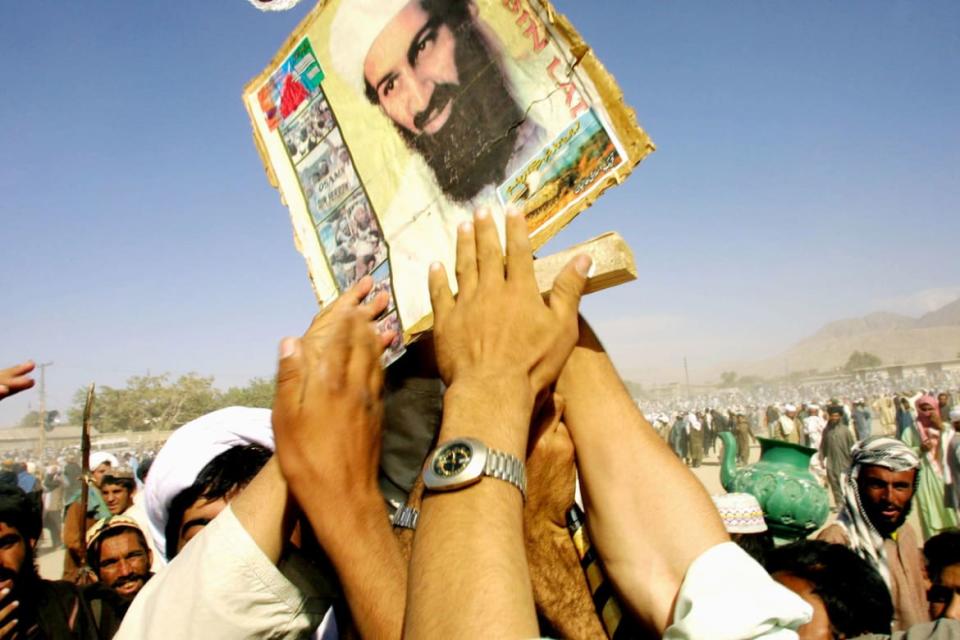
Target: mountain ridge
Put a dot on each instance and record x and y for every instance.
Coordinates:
(895, 338)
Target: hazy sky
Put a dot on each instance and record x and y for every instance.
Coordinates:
(807, 170)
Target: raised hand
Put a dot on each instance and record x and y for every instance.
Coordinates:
(328, 408)
(499, 327)
(16, 379)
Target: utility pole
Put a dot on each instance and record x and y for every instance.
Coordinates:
(43, 406)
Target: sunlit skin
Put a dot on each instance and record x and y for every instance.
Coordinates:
(406, 62)
(197, 516)
(930, 412)
(117, 497)
(124, 564)
(886, 496)
(13, 550)
(819, 626)
(932, 443)
(98, 473)
(949, 579)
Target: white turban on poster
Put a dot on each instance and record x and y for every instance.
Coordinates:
(354, 30)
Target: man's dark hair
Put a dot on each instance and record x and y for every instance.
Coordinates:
(93, 551)
(8, 478)
(143, 469)
(20, 511)
(126, 483)
(227, 473)
(941, 551)
(757, 545)
(855, 596)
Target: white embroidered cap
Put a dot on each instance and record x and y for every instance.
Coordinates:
(741, 513)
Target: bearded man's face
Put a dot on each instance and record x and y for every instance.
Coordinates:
(124, 564)
(17, 570)
(433, 75)
(886, 496)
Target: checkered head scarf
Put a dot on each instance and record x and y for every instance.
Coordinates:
(865, 540)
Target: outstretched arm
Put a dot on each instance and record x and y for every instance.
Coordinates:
(498, 347)
(327, 419)
(648, 516)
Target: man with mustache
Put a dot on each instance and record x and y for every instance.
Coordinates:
(117, 552)
(31, 607)
(471, 115)
(877, 496)
(437, 72)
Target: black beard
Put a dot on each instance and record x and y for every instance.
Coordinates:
(25, 584)
(474, 146)
(885, 528)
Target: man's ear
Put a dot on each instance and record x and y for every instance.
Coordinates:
(149, 557)
(472, 9)
(33, 543)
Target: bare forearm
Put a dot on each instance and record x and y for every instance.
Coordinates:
(263, 508)
(367, 558)
(647, 536)
(474, 537)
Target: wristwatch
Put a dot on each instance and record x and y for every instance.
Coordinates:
(464, 461)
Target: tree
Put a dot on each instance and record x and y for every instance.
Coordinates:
(728, 378)
(32, 419)
(862, 360)
(257, 393)
(157, 403)
(149, 403)
(749, 381)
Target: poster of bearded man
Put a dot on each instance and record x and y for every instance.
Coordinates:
(431, 110)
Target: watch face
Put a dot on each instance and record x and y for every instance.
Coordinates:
(452, 460)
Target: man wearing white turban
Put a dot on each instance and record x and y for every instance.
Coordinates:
(233, 584)
(241, 574)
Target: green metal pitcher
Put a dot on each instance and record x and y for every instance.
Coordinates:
(794, 503)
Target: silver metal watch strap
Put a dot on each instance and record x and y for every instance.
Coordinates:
(507, 467)
(406, 517)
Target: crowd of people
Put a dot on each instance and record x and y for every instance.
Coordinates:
(498, 480)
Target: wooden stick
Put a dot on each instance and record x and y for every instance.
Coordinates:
(612, 263)
(85, 480)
